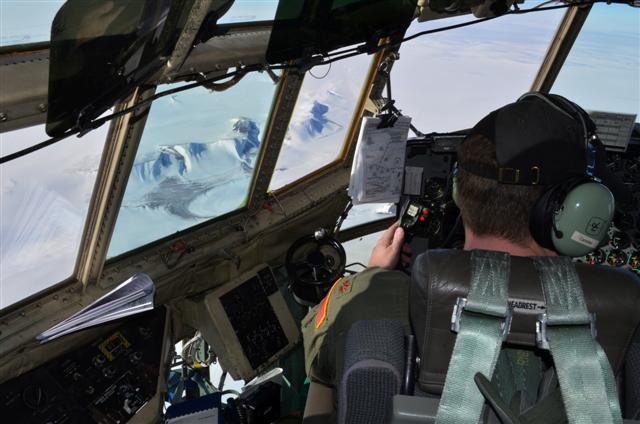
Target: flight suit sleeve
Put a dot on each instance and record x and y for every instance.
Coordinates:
(371, 294)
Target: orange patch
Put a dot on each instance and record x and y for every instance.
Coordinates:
(321, 316)
(345, 287)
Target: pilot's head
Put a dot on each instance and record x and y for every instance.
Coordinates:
(529, 172)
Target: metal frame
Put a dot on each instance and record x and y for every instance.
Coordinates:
(111, 182)
(197, 15)
(282, 110)
(560, 47)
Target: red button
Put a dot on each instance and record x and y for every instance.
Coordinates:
(425, 211)
(422, 218)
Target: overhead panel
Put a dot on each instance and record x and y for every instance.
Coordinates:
(195, 161)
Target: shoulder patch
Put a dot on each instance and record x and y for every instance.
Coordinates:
(345, 287)
(321, 315)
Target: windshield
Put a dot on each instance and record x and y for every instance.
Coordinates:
(602, 71)
(26, 21)
(195, 161)
(45, 198)
(250, 11)
(449, 80)
(321, 119)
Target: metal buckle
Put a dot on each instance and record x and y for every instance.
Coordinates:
(514, 172)
(541, 329)
(460, 306)
(535, 171)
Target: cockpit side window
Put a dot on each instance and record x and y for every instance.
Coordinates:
(44, 200)
(195, 162)
(322, 119)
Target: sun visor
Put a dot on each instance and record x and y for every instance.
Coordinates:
(100, 51)
(303, 28)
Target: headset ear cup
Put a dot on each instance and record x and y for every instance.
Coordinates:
(584, 218)
(454, 191)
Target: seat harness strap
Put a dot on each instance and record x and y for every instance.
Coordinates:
(482, 321)
(567, 330)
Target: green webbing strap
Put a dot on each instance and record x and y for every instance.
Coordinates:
(482, 321)
(586, 380)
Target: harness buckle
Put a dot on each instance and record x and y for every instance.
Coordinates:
(459, 307)
(542, 341)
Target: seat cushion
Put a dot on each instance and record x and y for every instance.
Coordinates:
(439, 277)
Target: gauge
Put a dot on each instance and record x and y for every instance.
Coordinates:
(135, 357)
(620, 240)
(634, 260)
(596, 257)
(34, 397)
(98, 360)
(434, 188)
(109, 371)
(617, 258)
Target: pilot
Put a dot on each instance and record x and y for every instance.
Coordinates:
(495, 214)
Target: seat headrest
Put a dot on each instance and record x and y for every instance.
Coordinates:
(439, 277)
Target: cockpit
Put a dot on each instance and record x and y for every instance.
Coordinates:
(182, 181)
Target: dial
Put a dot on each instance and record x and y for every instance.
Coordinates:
(434, 188)
(620, 240)
(617, 258)
(634, 260)
(595, 258)
(34, 397)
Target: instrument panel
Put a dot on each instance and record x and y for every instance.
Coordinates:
(248, 323)
(104, 382)
(623, 247)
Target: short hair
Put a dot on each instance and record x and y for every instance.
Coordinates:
(487, 207)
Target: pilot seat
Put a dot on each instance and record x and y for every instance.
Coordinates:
(539, 340)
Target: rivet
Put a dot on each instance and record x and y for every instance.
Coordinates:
(3, 117)
(42, 107)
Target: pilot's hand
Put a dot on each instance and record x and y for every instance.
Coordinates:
(405, 256)
(387, 250)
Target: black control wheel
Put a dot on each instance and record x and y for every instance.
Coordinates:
(313, 264)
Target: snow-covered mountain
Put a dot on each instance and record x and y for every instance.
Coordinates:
(316, 124)
(173, 177)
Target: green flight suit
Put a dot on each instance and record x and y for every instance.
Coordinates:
(371, 294)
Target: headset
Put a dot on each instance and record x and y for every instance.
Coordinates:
(572, 217)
